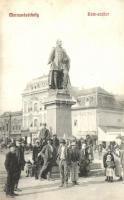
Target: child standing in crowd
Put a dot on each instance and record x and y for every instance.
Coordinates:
(109, 168)
(28, 168)
(109, 165)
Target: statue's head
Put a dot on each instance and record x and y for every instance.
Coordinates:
(59, 42)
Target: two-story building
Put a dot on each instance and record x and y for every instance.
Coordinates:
(98, 113)
(11, 125)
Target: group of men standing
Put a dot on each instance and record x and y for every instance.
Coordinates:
(49, 152)
(67, 158)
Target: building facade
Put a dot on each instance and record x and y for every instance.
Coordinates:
(34, 111)
(10, 124)
(98, 113)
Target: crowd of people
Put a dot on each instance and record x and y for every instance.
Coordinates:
(48, 151)
(71, 156)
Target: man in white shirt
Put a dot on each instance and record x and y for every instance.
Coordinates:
(63, 163)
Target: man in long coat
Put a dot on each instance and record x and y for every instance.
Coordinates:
(21, 162)
(12, 168)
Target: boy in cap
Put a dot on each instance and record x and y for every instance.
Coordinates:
(12, 168)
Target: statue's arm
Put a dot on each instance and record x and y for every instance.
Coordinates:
(66, 57)
(52, 56)
(67, 60)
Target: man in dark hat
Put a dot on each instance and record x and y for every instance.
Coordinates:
(74, 157)
(38, 161)
(55, 141)
(63, 156)
(12, 168)
(21, 162)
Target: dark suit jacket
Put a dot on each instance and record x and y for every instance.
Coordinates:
(11, 163)
(20, 157)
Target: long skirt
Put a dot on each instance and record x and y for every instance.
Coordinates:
(109, 172)
(118, 167)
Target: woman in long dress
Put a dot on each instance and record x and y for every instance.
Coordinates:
(118, 166)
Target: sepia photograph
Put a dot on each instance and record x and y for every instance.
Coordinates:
(62, 99)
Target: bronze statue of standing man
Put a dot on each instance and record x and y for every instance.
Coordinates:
(59, 67)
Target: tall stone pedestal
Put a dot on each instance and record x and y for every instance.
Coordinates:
(58, 108)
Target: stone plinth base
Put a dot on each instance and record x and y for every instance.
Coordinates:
(58, 108)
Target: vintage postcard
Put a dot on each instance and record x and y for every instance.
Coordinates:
(62, 99)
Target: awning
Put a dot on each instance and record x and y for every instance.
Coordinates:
(108, 134)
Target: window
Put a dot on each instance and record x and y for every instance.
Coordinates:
(75, 122)
(35, 107)
(35, 123)
(7, 127)
(29, 107)
(19, 127)
(25, 107)
(31, 125)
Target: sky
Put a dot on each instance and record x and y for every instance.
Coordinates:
(95, 44)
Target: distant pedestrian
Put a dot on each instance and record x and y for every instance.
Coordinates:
(29, 168)
(55, 141)
(118, 166)
(100, 148)
(122, 155)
